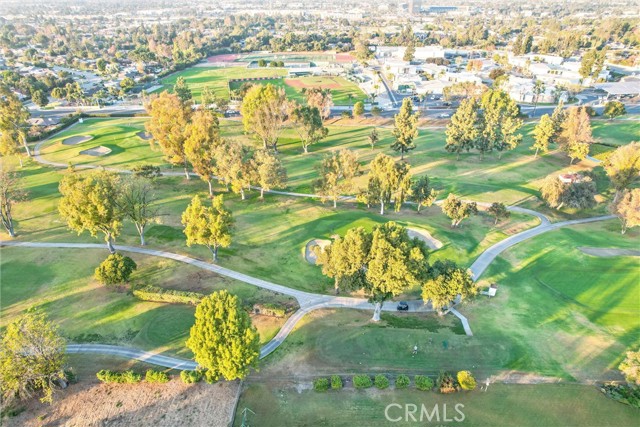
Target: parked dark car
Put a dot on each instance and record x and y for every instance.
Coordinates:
(403, 306)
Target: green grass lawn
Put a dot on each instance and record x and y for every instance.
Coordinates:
(61, 283)
(613, 133)
(270, 235)
(543, 405)
(217, 78)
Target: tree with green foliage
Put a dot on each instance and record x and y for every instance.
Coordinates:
(592, 63)
(396, 262)
(236, 166)
(463, 129)
(168, 119)
(543, 135)
(138, 203)
(32, 358)
(500, 123)
(319, 98)
(182, 91)
(405, 129)
(579, 194)
(457, 210)
(271, 174)
(445, 282)
(208, 226)
(202, 136)
(422, 193)
(345, 259)
(498, 211)
(11, 193)
(575, 136)
(623, 167)
(358, 109)
(89, 203)
(466, 380)
(557, 117)
(115, 270)
(309, 126)
(14, 118)
(374, 137)
(337, 172)
(538, 89)
(613, 109)
(627, 209)
(264, 113)
(387, 179)
(222, 339)
(409, 52)
(630, 367)
(40, 98)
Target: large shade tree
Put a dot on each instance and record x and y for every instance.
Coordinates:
(337, 172)
(264, 113)
(89, 203)
(11, 193)
(210, 226)
(168, 119)
(202, 136)
(270, 172)
(405, 129)
(575, 134)
(463, 129)
(309, 126)
(222, 339)
(387, 180)
(627, 209)
(138, 203)
(445, 282)
(623, 167)
(32, 358)
(500, 123)
(13, 119)
(345, 259)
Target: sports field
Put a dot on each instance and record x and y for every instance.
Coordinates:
(218, 80)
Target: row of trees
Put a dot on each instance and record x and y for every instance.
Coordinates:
(385, 262)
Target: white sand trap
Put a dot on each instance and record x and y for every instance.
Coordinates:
(309, 254)
(97, 151)
(609, 252)
(75, 140)
(144, 135)
(424, 235)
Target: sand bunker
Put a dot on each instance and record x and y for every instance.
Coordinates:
(96, 151)
(309, 254)
(144, 135)
(75, 140)
(609, 252)
(424, 235)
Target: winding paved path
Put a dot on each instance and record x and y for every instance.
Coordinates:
(307, 301)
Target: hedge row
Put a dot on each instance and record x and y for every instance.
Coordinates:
(157, 294)
(445, 383)
(129, 377)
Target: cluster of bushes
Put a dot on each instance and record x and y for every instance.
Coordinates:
(623, 393)
(156, 294)
(445, 383)
(129, 377)
(113, 377)
(191, 377)
(275, 310)
(115, 270)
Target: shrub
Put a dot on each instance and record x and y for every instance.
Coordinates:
(466, 380)
(321, 384)
(275, 310)
(376, 111)
(446, 383)
(113, 377)
(362, 381)
(402, 381)
(147, 171)
(381, 381)
(336, 382)
(623, 393)
(156, 294)
(358, 109)
(114, 270)
(191, 377)
(346, 115)
(158, 377)
(423, 382)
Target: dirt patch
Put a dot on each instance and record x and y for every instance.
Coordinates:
(309, 254)
(300, 84)
(173, 404)
(609, 252)
(144, 135)
(424, 235)
(75, 140)
(227, 57)
(96, 151)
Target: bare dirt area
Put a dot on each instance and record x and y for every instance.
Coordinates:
(309, 253)
(609, 252)
(90, 403)
(97, 151)
(424, 235)
(301, 84)
(75, 140)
